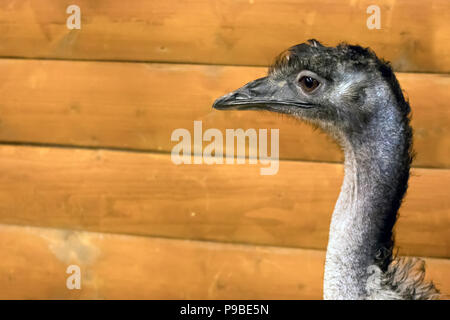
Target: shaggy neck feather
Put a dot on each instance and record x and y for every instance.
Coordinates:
(376, 174)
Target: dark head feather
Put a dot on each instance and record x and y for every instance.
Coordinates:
(323, 60)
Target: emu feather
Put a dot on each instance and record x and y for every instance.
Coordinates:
(354, 97)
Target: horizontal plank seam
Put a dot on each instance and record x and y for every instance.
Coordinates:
(145, 62)
(177, 63)
(174, 239)
(246, 245)
(154, 151)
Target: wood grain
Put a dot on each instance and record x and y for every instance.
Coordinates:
(414, 35)
(34, 263)
(147, 194)
(138, 106)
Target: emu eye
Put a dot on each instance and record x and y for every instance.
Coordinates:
(308, 84)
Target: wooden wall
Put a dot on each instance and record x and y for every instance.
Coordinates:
(86, 176)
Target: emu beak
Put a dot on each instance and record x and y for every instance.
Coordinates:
(262, 94)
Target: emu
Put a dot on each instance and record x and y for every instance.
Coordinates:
(355, 98)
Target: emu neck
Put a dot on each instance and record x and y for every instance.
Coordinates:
(376, 174)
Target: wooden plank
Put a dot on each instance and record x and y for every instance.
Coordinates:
(414, 35)
(125, 267)
(138, 106)
(147, 194)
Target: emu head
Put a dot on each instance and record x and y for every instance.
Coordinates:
(339, 89)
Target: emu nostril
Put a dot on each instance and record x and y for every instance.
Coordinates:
(241, 96)
(226, 101)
